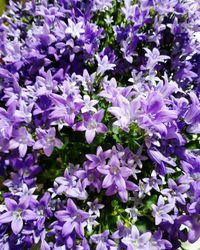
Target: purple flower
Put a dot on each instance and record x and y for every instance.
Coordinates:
(160, 159)
(91, 125)
(157, 243)
(116, 177)
(153, 182)
(73, 219)
(7, 120)
(192, 116)
(99, 159)
(43, 210)
(104, 64)
(156, 114)
(21, 140)
(66, 109)
(16, 214)
(102, 241)
(154, 58)
(193, 223)
(194, 208)
(175, 192)
(47, 140)
(94, 207)
(89, 177)
(24, 113)
(160, 211)
(135, 241)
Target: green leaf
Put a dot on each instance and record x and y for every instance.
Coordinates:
(2, 6)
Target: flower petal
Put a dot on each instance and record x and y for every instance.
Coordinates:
(89, 135)
(16, 225)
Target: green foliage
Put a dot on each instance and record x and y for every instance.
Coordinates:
(2, 6)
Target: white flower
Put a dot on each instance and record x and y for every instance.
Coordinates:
(104, 64)
(89, 104)
(75, 29)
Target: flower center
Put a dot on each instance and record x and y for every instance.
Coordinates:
(50, 140)
(92, 125)
(115, 170)
(18, 213)
(91, 177)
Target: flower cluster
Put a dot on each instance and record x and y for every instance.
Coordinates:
(99, 124)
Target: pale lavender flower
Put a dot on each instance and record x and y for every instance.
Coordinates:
(91, 125)
(153, 182)
(94, 207)
(102, 241)
(133, 213)
(24, 112)
(21, 140)
(87, 80)
(26, 193)
(125, 112)
(128, 9)
(160, 211)
(91, 223)
(176, 192)
(45, 84)
(101, 5)
(154, 58)
(47, 140)
(104, 64)
(135, 241)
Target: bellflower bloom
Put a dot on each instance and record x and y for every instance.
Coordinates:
(157, 243)
(176, 192)
(193, 223)
(153, 182)
(16, 214)
(135, 241)
(160, 211)
(21, 140)
(47, 141)
(43, 209)
(91, 125)
(94, 207)
(156, 114)
(104, 64)
(102, 241)
(73, 219)
(89, 104)
(154, 58)
(74, 29)
(116, 178)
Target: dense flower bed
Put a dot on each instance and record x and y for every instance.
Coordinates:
(99, 124)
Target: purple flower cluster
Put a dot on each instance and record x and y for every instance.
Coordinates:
(106, 92)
